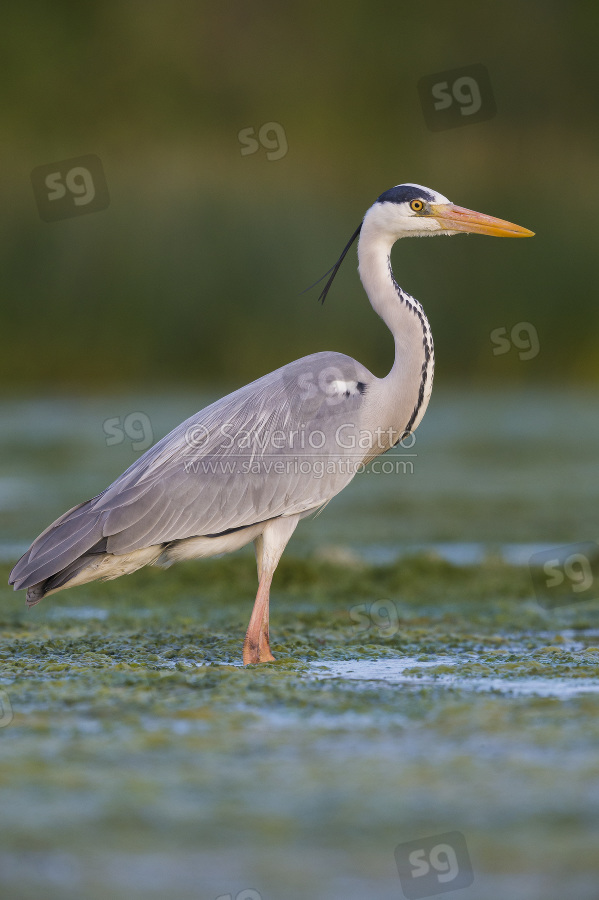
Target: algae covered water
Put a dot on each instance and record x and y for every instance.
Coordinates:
(424, 686)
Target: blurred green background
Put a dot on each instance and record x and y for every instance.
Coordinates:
(194, 272)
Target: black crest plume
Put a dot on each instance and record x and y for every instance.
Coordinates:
(333, 271)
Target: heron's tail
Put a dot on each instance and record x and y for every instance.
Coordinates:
(68, 545)
(73, 551)
(67, 577)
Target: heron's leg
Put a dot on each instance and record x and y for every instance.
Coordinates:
(256, 647)
(269, 547)
(259, 619)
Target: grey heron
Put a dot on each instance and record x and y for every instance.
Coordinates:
(250, 466)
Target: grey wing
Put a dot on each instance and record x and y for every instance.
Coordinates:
(283, 444)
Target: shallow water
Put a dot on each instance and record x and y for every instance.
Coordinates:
(421, 688)
(405, 671)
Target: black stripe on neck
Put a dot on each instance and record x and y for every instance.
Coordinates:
(418, 311)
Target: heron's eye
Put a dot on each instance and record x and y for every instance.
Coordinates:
(416, 205)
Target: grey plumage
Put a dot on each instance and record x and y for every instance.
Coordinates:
(217, 471)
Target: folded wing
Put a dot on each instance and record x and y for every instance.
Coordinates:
(282, 445)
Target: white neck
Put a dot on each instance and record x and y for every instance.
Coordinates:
(406, 390)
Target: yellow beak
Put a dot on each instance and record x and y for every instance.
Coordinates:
(456, 218)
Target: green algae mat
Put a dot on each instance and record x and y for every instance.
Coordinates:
(417, 703)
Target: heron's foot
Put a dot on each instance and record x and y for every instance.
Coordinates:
(256, 651)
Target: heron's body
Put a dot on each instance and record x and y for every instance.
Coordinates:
(250, 466)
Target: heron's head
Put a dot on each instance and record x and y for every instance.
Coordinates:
(410, 210)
